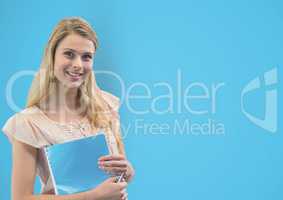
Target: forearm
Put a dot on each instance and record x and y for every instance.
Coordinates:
(78, 196)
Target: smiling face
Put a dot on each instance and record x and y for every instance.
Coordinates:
(73, 60)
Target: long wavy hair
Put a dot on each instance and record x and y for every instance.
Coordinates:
(98, 110)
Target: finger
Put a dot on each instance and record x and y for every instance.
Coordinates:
(112, 179)
(112, 157)
(114, 169)
(123, 192)
(122, 185)
(124, 195)
(120, 163)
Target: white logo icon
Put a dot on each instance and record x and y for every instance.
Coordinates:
(269, 122)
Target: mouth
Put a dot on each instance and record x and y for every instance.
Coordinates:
(74, 75)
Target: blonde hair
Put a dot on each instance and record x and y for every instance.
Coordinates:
(100, 113)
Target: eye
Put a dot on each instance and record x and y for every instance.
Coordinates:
(69, 54)
(87, 57)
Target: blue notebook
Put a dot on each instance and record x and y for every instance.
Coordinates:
(74, 164)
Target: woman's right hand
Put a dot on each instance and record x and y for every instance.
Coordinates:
(109, 190)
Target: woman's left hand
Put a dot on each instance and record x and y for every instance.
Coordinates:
(116, 164)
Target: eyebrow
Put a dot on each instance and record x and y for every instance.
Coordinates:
(86, 52)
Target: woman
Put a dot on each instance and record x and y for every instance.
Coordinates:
(63, 96)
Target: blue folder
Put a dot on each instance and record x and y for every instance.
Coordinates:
(74, 164)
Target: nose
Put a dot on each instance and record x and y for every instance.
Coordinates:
(77, 63)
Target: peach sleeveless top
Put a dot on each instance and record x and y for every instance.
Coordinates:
(33, 127)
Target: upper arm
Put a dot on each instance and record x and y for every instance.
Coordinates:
(23, 170)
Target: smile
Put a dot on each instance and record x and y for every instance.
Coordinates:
(73, 75)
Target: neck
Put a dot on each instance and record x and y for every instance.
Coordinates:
(63, 100)
(67, 98)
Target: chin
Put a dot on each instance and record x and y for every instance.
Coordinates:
(72, 85)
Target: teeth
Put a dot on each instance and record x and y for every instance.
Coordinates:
(73, 74)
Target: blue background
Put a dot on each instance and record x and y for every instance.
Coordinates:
(228, 42)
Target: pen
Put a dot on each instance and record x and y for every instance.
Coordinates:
(119, 179)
